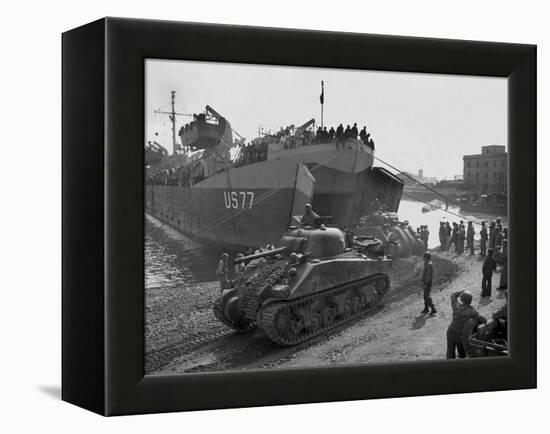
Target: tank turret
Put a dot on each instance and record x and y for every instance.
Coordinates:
(308, 286)
(399, 238)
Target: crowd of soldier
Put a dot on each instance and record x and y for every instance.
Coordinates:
(462, 310)
(339, 135)
(257, 150)
(252, 153)
(493, 246)
(424, 234)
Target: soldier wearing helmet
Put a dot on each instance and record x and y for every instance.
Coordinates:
(309, 216)
(427, 278)
(223, 270)
(240, 268)
(462, 312)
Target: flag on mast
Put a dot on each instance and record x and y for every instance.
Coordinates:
(322, 97)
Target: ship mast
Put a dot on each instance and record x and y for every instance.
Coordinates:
(173, 119)
(172, 115)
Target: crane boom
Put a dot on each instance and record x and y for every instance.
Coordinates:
(305, 126)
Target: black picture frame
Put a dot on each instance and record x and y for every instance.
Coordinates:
(103, 226)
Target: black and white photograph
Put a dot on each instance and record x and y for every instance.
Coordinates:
(274, 217)
(308, 217)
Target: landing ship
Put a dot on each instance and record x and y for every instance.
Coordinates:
(222, 192)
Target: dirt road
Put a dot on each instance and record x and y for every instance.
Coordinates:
(182, 335)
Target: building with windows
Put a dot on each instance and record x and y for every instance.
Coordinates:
(487, 172)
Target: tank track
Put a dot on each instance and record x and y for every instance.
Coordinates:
(267, 276)
(241, 327)
(273, 311)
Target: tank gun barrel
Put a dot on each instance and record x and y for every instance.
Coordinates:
(261, 255)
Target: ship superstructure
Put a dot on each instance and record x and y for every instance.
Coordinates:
(237, 195)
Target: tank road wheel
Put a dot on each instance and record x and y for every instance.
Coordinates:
(355, 303)
(295, 321)
(283, 321)
(310, 316)
(382, 286)
(328, 315)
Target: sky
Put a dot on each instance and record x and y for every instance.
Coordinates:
(417, 121)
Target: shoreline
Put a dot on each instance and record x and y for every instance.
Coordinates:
(182, 334)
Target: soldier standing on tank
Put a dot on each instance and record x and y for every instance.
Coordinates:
(240, 268)
(223, 271)
(348, 237)
(483, 239)
(427, 278)
(489, 265)
(462, 312)
(470, 238)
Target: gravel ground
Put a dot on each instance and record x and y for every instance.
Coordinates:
(182, 335)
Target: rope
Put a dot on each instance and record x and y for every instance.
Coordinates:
(475, 221)
(415, 180)
(447, 200)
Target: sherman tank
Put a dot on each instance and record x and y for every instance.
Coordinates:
(310, 285)
(399, 238)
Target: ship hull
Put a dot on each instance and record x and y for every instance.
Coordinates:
(252, 205)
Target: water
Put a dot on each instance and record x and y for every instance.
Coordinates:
(412, 211)
(173, 259)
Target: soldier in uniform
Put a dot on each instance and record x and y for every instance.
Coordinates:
(442, 235)
(503, 285)
(309, 216)
(240, 268)
(489, 265)
(363, 134)
(340, 136)
(354, 131)
(427, 278)
(492, 235)
(223, 271)
(425, 235)
(462, 312)
(483, 239)
(470, 238)
(461, 235)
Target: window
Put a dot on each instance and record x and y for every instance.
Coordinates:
(486, 164)
(495, 163)
(468, 164)
(477, 163)
(477, 175)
